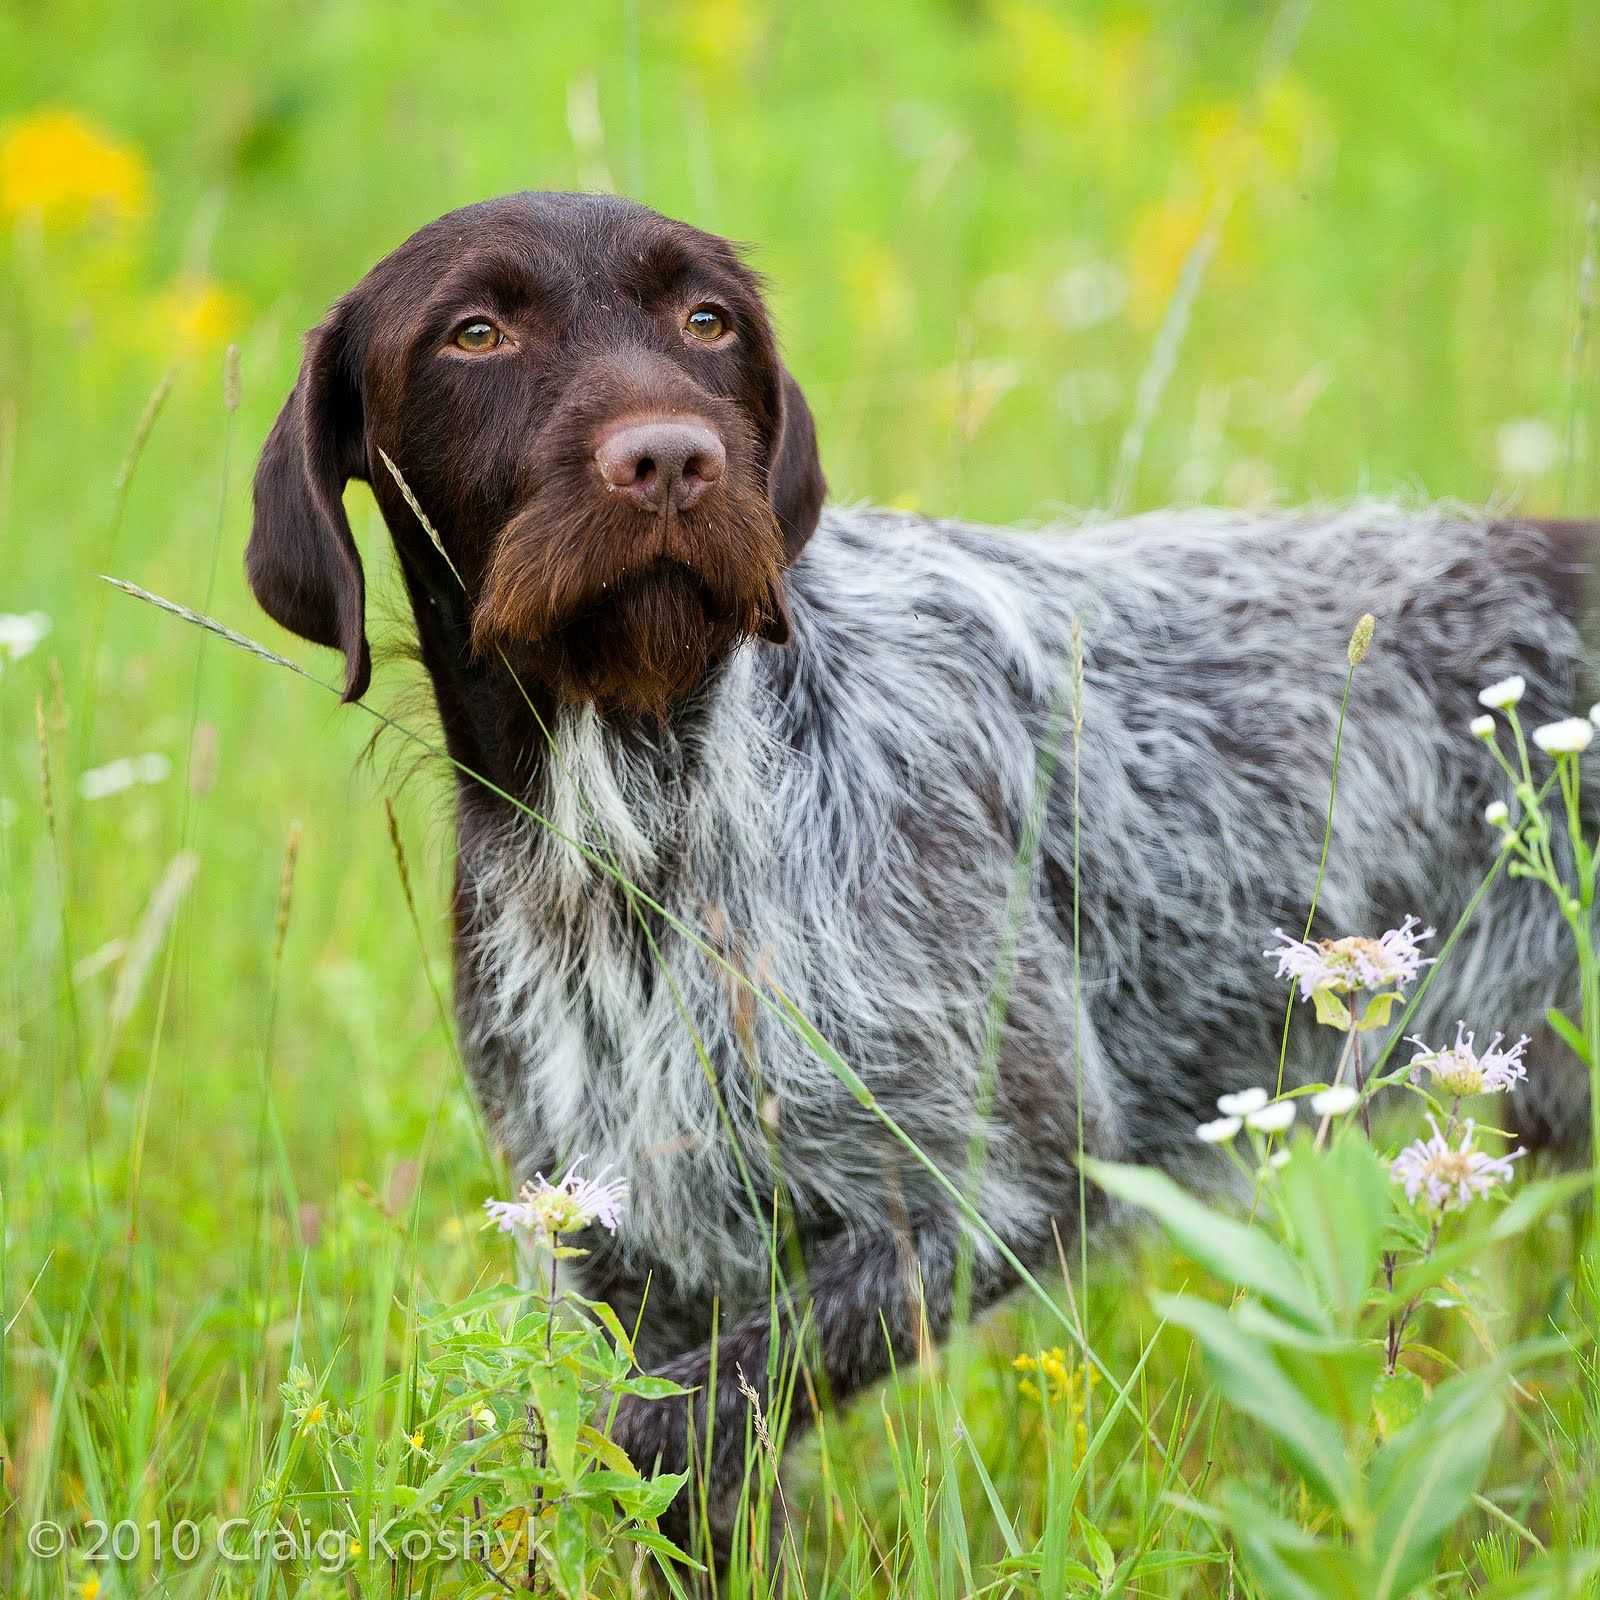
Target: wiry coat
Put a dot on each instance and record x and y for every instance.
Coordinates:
(840, 766)
(844, 819)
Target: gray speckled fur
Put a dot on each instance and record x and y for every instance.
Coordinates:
(841, 818)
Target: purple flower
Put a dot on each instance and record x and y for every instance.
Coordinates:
(1459, 1069)
(1449, 1178)
(565, 1207)
(1353, 964)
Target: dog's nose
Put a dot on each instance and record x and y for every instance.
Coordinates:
(661, 464)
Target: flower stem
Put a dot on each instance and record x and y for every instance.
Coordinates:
(544, 1442)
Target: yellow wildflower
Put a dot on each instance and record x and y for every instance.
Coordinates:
(58, 167)
(720, 35)
(881, 291)
(1061, 1385)
(1092, 79)
(90, 1587)
(1163, 236)
(197, 313)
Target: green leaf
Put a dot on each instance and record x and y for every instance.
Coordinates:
(1562, 1024)
(1288, 1562)
(1231, 1250)
(1423, 1479)
(555, 1398)
(601, 1483)
(1340, 1372)
(648, 1387)
(1336, 1204)
(569, 1551)
(1031, 1562)
(1332, 1012)
(1486, 1225)
(1533, 1202)
(608, 1451)
(1154, 1561)
(660, 1545)
(484, 1300)
(1377, 1013)
(1099, 1548)
(1253, 1382)
(1556, 1576)
(1397, 1397)
(996, 1506)
(608, 1319)
(654, 1496)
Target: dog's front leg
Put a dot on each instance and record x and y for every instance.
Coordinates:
(871, 1298)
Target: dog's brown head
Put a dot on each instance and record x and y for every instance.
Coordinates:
(586, 400)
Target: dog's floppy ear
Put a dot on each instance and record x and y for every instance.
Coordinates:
(795, 483)
(796, 488)
(302, 561)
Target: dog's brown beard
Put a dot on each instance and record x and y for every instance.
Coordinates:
(626, 612)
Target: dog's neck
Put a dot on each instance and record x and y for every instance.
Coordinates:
(513, 735)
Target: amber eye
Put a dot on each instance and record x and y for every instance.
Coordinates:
(478, 335)
(707, 323)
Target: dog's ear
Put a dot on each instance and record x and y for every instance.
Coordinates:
(796, 488)
(302, 561)
(795, 484)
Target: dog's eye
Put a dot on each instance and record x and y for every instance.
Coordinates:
(707, 323)
(477, 335)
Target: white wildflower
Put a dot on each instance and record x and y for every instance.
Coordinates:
(98, 783)
(1271, 1119)
(20, 633)
(565, 1207)
(1218, 1132)
(1279, 1159)
(1564, 738)
(1335, 1102)
(1594, 713)
(1459, 1069)
(1242, 1103)
(1449, 1178)
(1527, 447)
(1482, 727)
(1503, 695)
(1497, 814)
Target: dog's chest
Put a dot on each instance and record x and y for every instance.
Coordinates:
(594, 1024)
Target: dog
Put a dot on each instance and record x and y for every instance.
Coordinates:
(784, 761)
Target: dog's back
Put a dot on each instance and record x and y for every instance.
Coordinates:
(844, 775)
(895, 820)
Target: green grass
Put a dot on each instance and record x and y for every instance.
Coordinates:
(234, 1137)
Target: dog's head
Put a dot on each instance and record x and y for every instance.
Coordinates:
(587, 402)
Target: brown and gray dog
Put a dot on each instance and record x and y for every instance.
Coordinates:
(822, 742)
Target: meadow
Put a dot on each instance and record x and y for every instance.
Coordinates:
(1026, 258)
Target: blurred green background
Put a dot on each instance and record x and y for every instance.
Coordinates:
(1337, 248)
